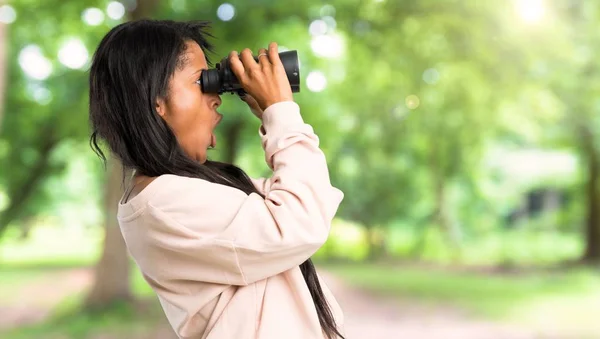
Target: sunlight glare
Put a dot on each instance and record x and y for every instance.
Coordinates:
(34, 64)
(531, 11)
(93, 16)
(316, 81)
(73, 54)
(327, 46)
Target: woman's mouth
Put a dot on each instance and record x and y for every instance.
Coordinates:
(213, 137)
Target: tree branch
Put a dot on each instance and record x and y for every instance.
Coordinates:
(36, 173)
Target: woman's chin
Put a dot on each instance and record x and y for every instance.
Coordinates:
(202, 158)
(213, 140)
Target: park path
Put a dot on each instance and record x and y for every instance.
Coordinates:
(32, 302)
(376, 317)
(366, 315)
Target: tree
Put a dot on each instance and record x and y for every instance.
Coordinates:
(413, 103)
(112, 272)
(568, 49)
(112, 281)
(3, 66)
(43, 113)
(586, 124)
(424, 109)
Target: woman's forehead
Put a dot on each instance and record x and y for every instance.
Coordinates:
(192, 57)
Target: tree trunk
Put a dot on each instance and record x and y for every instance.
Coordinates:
(112, 273)
(592, 233)
(442, 216)
(3, 68)
(450, 230)
(447, 226)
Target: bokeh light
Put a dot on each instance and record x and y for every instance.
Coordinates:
(317, 27)
(73, 54)
(39, 93)
(531, 11)
(226, 12)
(327, 46)
(34, 64)
(412, 101)
(431, 76)
(93, 16)
(8, 14)
(316, 81)
(115, 10)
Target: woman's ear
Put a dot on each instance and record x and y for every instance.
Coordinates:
(161, 107)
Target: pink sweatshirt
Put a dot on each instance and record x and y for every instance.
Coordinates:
(224, 264)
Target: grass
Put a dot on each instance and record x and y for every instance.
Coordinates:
(119, 321)
(52, 246)
(504, 296)
(12, 276)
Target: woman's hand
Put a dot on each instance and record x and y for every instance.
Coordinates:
(265, 81)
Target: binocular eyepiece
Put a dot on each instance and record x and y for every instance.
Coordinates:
(222, 80)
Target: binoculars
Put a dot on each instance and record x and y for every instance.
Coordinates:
(222, 80)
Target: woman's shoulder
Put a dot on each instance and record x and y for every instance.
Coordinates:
(175, 192)
(133, 201)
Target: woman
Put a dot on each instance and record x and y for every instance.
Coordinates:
(227, 255)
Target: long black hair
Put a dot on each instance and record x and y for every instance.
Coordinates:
(130, 70)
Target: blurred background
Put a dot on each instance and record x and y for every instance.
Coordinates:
(465, 135)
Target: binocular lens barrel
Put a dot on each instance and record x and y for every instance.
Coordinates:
(222, 80)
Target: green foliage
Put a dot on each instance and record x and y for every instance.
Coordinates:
(529, 245)
(491, 294)
(424, 104)
(52, 245)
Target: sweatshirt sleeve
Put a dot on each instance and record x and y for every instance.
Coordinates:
(216, 233)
